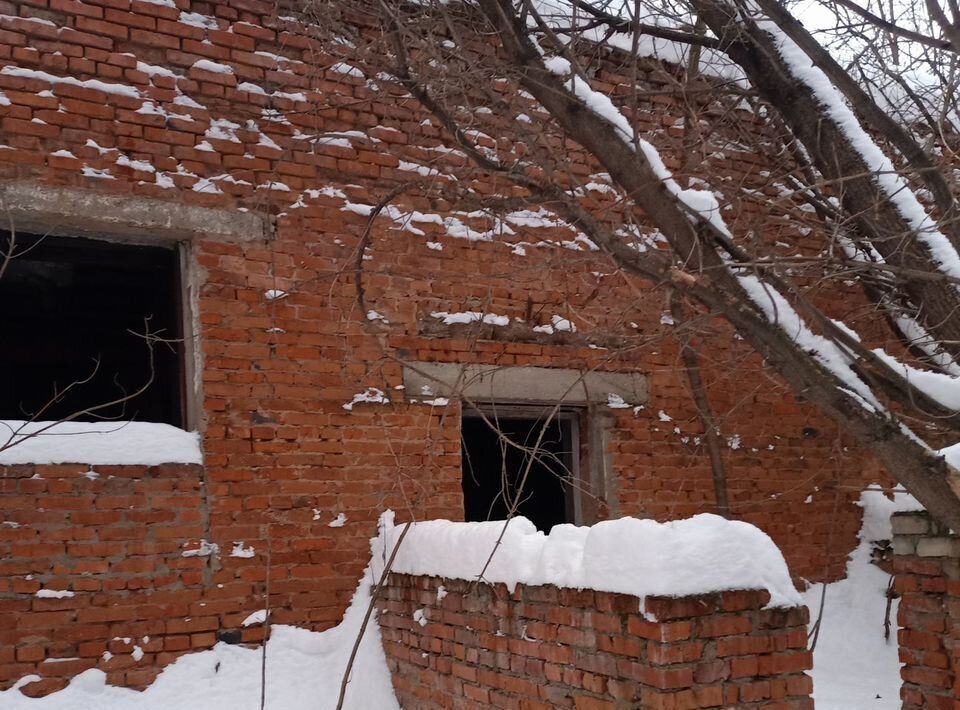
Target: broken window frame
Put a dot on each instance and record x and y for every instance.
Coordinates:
(182, 410)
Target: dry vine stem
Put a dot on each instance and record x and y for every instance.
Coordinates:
(374, 595)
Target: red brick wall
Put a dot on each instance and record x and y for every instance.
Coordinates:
(116, 539)
(546, 647)
(927, 568)
(282, 456)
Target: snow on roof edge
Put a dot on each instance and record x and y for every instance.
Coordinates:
(698, 555)
(107, 443)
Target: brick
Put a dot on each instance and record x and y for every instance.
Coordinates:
(725, 626)
(666, 609)
(667, 654)
(938, 547)
(919, 640)
(656, 631)
(800, 685)
(711, 672)
(40, 688)
(755, 692)
(744, 645)
(910, 524)
(744, 667)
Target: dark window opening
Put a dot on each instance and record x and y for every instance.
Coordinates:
(493, 469)
(71, 311)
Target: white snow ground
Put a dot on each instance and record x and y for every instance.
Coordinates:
(303, 673)
(853, 667)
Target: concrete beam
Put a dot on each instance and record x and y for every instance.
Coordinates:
(938, 547)
(910, 523)
(47, 209)
(545, 385)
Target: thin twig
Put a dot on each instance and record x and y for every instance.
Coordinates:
(704, 411)
(814, 634)
(266, 625)
(891, 594)
(366, 617)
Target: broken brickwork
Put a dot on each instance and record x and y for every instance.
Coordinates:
(927, 567)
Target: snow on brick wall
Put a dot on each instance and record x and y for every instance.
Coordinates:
(107, 442)
(686, 614)
(705, 553)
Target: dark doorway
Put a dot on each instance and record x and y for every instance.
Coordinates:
(70, 310)
(493, 469)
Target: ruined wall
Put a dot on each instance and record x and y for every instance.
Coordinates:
(234, 105)
(927, 568)
(450, 643)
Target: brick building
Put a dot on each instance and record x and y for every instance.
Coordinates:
(215, 165)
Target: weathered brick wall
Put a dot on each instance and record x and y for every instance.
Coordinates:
(282, 458)
(452, 644)
(120, 542)
(927, 567)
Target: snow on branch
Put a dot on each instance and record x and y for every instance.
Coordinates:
(890, 182)
(826, 352)
(701, 203)
(939, 387)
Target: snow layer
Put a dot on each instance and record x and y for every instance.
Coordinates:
(940, 387)
(952, 455)
(213, 67)
(467, 317)
(257, 617)
(854, 668)
(97, 443)
(54, 594)
(705, 553)
(304, 669)
(371, 395)
(95, 84)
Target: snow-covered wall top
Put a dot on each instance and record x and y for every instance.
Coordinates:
(699, 555)
(105, 443)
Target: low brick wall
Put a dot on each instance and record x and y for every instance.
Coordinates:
(927, 567)
(112, 543)
(452, 644)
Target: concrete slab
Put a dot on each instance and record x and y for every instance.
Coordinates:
(547, 385)
(48, 209)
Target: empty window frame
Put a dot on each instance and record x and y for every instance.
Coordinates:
(74, 312)
(516, 458)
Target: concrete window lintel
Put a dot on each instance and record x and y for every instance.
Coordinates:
(521, 383)
(48, 209)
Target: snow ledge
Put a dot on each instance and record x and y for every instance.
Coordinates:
(700, 555)
(106, 443)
